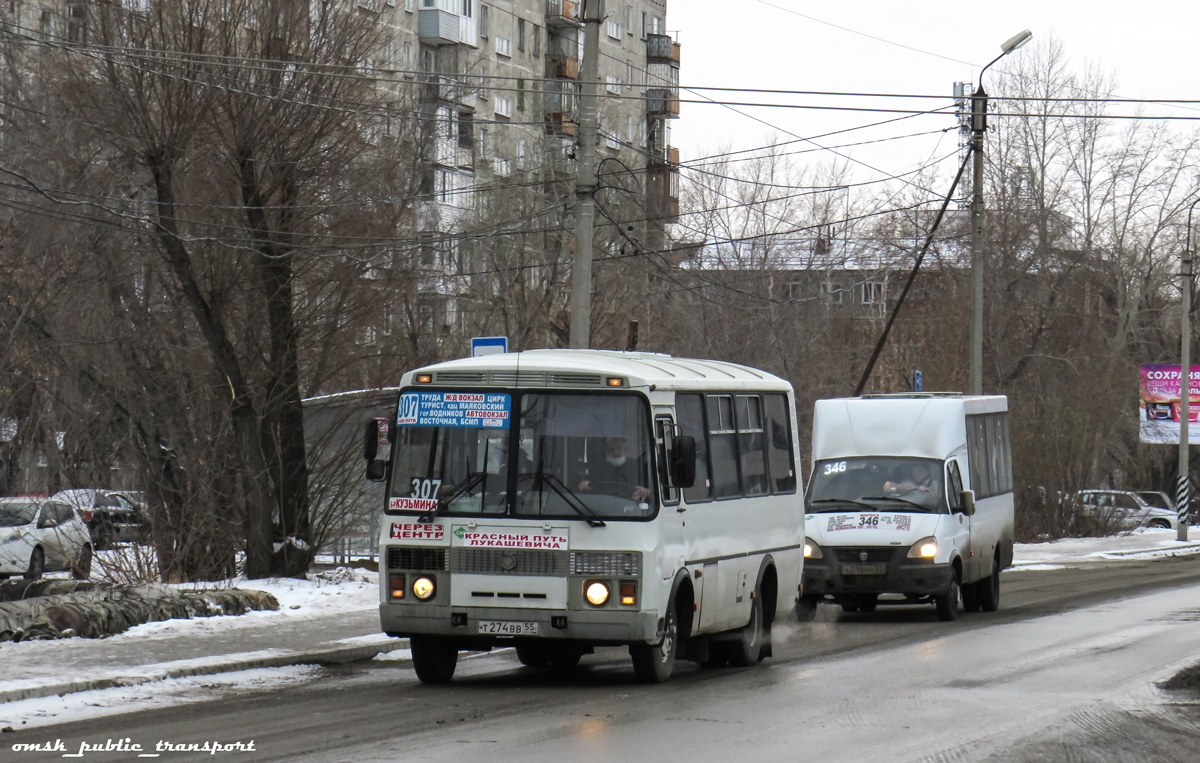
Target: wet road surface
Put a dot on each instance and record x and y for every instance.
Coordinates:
(1063, 672)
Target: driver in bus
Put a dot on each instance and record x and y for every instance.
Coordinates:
(617, 470)
(919, 486)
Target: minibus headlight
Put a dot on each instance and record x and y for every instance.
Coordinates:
(423, 587)
(925, 548)
(811, 549)
(596, 593)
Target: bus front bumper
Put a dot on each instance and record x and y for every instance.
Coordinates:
(598, 627)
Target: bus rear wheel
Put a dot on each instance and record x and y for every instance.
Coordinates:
(434, 659)
(988, 589)
(654, 663)
(746, 649)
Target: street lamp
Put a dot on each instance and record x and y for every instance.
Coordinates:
(1185, 381)
(978, 126)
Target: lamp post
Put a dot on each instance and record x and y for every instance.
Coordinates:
(978, 127)
(1185, 381)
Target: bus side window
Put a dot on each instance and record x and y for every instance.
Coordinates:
(779, 445)
(722, 443)
(690, 409)
(751, 445)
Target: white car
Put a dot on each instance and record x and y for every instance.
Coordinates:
(38, 535)
(1127, 510)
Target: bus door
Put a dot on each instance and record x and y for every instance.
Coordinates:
(671, 517)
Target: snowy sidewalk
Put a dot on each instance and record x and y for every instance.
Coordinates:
(1144, 543)
(321, 621)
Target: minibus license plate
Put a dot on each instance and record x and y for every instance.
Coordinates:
(864, 569)
(508, 628)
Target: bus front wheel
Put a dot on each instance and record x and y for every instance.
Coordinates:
(654, 663)
(434, 659)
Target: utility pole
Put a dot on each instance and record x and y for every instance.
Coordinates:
(978, 127)
(585, 178)
(1185, 383)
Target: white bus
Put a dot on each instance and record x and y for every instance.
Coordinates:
(560, 500)
(910, 494)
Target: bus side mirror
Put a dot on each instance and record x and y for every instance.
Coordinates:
(967, 501)
(683, 462)
(376, 470)
(371, 440)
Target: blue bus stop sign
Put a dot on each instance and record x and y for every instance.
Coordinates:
(488, 345)
(916, 381)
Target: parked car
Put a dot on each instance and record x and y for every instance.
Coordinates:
(39, 535)
(1126, 509)
(1157, 499)
(112, 516)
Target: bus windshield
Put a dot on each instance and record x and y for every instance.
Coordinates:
(878, 483)
(560, 455)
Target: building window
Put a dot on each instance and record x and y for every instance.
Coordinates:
(521, 35)
(614, 85)
(656, 25)
(612, 141)
(483, 21)
(629, 18)
(521, 154)
(466, 129)
(832, 292)
(872, 293)
(614, 29)
(537, 41)
(408, 5)
(503, 106)
(501, 167)
(644, 30)
(520, 95)
(503, 46)
(468, 8)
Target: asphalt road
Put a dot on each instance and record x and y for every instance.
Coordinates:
(1063, 672)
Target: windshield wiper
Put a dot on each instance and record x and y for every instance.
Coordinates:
(920, 506)
(463, 487)
(842, 500)
(574, 501)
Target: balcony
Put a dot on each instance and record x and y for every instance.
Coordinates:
(662, 102)
(661, 49)
(668, 157)
(562, 13)
(562, 67)
(440, 25)
(662, 195)
(560, 123)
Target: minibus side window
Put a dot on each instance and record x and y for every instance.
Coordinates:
(977, 447)
(691, 423)
(954, 485)
(664, 431)
(779, 445)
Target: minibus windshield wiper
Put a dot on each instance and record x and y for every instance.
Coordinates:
(920, 506)
(572, 500)
(843, 500)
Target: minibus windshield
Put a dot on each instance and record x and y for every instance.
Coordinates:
(877, 483)
(525, 454)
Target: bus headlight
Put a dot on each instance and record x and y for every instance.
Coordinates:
(423, 588)
(811, 549)
(925, 548)
(596, 593)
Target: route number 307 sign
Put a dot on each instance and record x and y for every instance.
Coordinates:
(454, 409)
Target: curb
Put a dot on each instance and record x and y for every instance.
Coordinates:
(326, 656)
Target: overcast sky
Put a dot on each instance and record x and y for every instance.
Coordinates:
(1150, 47)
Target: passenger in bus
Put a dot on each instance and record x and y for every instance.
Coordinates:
(617, 473)
(918, 485)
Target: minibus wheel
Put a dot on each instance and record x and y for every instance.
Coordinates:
(970, 596)
(532, 655)
(806, 609)
(989, 589)
(947, 603)
(433, 658)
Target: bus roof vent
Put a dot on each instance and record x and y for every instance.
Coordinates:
(576, 380)
(459, 377)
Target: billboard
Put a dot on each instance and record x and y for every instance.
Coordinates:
(1158, 409)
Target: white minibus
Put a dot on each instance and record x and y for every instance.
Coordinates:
(556, 501)
(910, 494)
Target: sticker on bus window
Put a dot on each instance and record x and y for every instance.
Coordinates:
(454, 409)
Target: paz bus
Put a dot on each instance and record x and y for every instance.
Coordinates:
(557, 501)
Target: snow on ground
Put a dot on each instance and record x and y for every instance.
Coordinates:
(1143, 543)
(45, 711)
